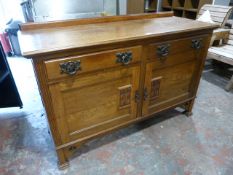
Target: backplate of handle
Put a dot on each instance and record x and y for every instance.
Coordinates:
(196, 44)
(163, 50)
(70, 67)
(124, 57)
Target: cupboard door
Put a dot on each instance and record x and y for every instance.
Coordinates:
(94, 103)
(166, 87)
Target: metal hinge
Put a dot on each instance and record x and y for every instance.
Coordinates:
(146, 95)
(137, 97)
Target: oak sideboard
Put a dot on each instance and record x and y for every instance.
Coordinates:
(101, 74)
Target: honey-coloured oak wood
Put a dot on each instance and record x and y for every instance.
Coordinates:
(166, 86)
(95, 20)
(39, 42)
(94, 102)
(92, 62)
(97, 77)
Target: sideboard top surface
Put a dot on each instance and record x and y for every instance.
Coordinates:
(46, 41)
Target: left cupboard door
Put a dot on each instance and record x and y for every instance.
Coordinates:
(93, 103)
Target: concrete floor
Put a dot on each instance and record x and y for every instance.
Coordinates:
(169, 144)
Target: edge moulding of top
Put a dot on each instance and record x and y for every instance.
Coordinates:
(73, 22)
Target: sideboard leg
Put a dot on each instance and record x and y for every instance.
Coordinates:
(63, 162)
(229, 86)
(188, 114)
(188, 108)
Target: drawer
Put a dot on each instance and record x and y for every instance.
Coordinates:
(71, 66)
(176, 51)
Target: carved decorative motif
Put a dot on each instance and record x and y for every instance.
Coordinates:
(155, 88)
(125, 96)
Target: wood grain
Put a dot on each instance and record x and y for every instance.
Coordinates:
(106, 19)
(48, 41)
(91, 62)
(224, 53)
(101, 97)
(219, 14)
(174, 85)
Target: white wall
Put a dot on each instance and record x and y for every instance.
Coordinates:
(123, 7)
(10, 9)
(62, 9)
(110, 7)
(2, 16)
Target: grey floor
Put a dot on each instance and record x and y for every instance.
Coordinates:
(169, 144)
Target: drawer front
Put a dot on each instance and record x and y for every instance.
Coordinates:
(95, 102)
(76, 65)
(176, 52)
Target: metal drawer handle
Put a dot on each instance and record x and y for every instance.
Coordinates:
(163, 50)
(70, 67)
(196, 44)
(124, 57)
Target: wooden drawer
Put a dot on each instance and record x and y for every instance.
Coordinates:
(175, 52)
(64, 67)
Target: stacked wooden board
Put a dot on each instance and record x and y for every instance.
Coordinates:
(219, 14)
(184, 8)
(224, 53)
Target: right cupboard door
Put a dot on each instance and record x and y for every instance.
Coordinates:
(165, 87)
(172, 73)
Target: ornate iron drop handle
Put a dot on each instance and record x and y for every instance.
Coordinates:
(196, 44)
(163, 50)
(124, 57)
(70, 67)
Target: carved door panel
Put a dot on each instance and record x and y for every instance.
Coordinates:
(96, 102)
(166, 87)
